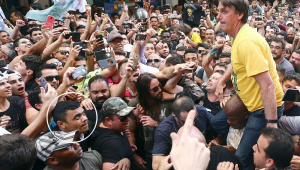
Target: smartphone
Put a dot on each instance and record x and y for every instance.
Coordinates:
(166, 7)
(99, 35)
(80, 43)
(43, 83)
(166, 11)
(126, 26)
(270, 23)
(172, 16)
(140, 37)
(109, 29)
(104, 59)
(106, 16)
(80, 71)
(291, 95)
(229, 43)
(258, 19)
(2, 63)
(49, 22)
(135, 58)
(99, 11)
(75, 36)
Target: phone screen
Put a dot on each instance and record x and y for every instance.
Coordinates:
(49, 21)
(43, 83)
(291, 95)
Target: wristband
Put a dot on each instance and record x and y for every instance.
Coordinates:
(271, 121)
(89, 54)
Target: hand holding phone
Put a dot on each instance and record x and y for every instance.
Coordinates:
(49, 22)
(80, 71)
(44, 83)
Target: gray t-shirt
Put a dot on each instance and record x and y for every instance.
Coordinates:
(91, 160)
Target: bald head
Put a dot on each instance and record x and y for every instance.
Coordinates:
(236, 112)
(194, 133)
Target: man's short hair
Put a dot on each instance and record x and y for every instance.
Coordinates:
(34, 29)
(19, 14)
(181, 48)
(38, 72)
(190, 50)
(31, 62)
(62, 45)
(240, 6)
(82, 16)
(221, 65)
(221, 33)
(172, 61)
(165, 31)
(154, 17)
(292, 76)
(80, 27)
(182, 104)
(282, 33)
(113, 14)
(17, 152)
(34, 98)
(80, 58)
(281, 69)
(281, 146)
(296, 51)
(185, 28)
(204, 45)
(172, 28)
(279, 40)
(97, 78)
(118, 52)
(124, 61)
(225, 55)
(61, 109)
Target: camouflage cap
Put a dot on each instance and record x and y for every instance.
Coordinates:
(115, 106)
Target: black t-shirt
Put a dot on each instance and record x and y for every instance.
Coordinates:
(30, 85)
(91, 114)
(112, 146)
(16, 111)
(220, 154)
(293, 111)
(213, 106)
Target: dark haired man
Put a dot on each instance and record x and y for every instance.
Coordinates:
(162, 140)
(109, 138)
(277, 47)
(254, 76)
(295, 58)
(27, 68)
(49, 72)
(274, 149)
(17, 152)
(36, 34)
(154, 24)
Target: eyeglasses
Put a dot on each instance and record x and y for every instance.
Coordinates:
(58, 63)
(155, 89)
(50, 78)
(123, 118)
(25, 42)
(151, 60)
(63, 52)
(183, 121)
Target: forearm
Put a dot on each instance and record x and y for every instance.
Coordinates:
(37, 48)
(217, 27)
(208, 21)
(37, 126)
(93, 27)
(166, 73)
(119, 89)
(87, 30)
(171, 83)
(269, 100)
(269, 14)
(50, 49)
(142, 54)
(123, 16)
(108, 71)
(227, 74)
(90, 63)
(206, 64)
(163, 24)
(193, 43)
(62, 89)
(130, 34)
(15, 32)
(298, 45)
(156, 161)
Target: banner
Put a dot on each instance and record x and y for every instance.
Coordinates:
(3, 26)
(58, 10)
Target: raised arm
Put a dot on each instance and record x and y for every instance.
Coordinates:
(86, 34)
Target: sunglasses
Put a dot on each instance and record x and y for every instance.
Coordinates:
(50, 78)
(123, 118)
(200, 51)
(58, 63)
(151, 60)
(183, 121)
(64, 52)
(155, 89)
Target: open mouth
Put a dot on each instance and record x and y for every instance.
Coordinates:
(137, 74)
(21, 89)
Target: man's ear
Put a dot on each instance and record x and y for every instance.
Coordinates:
(61, 124)
(240, 16)
(270, 163)
(37, 81)
(52, 160)
(17, 49)
(108, 120)
(54, 54)
(29, 72)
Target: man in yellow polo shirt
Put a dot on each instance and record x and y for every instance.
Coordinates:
(193, 38)
(254, 77)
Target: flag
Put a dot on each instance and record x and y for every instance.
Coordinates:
(58, 10)
(3, 26)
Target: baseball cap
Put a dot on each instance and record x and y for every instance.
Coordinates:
(289, 22)
(12, 73)
(115, 106)
(48, 143)
(114, 34)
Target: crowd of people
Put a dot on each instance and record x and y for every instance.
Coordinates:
(185, 87)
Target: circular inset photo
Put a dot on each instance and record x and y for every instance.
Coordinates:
(110, 62)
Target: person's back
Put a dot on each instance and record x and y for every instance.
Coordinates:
(244, 83)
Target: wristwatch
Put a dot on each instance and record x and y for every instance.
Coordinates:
(89, 54)
(271, 121)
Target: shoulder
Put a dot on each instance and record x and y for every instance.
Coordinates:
(166, 124)
(16, 100)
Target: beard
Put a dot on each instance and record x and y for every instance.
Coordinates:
(99, 104)
(290, 40)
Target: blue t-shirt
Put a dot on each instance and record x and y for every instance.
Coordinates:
(162, 139)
